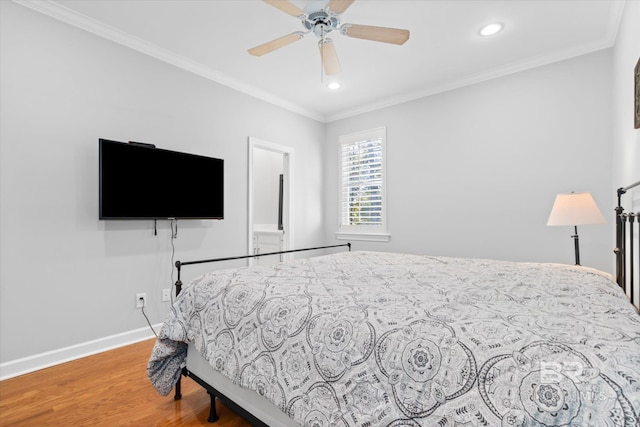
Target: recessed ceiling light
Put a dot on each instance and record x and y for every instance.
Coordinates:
(491, 29)
(334, 85)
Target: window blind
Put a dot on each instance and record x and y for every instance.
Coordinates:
(362, 182)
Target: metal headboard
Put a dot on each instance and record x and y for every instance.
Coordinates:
(625, 247)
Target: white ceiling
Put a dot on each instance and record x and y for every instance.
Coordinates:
(211, 38)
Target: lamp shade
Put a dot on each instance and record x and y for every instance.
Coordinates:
(575, 209)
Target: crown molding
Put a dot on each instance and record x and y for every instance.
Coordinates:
(615, 18)
(71, 17)
(506, 70)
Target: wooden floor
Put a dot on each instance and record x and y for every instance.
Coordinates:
(108, 389)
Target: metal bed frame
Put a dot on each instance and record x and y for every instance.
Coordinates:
(213, 393)
(625, 247)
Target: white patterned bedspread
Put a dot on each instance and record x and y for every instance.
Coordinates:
(383, 339)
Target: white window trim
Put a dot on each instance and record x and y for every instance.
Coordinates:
(371, 233)
(368, 237)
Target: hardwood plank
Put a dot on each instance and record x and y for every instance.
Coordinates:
(107, 389)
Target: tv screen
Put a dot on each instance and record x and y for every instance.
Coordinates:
(138, 181)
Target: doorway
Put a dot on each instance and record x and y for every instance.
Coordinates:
(270, 200)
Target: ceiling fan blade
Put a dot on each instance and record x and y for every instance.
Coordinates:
(286, 6)
(276, 44)
(329, 56)
(339, 6)
(378, 34)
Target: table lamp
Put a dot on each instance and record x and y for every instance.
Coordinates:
(575, 209)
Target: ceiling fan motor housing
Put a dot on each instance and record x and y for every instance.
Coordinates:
(321, 23)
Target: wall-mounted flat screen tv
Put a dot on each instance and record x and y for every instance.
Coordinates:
(139, 181)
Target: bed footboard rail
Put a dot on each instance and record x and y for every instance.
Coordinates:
(627, 259)
(179, 264)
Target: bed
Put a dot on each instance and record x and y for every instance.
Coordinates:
(385, 339)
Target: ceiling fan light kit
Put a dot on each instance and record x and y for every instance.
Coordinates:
(321, 18)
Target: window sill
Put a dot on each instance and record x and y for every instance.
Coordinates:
(369, 237)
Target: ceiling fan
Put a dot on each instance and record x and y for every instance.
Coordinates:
(321, 18)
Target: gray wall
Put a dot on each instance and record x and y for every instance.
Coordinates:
(626, 139)
(474, 172)
(66, 277)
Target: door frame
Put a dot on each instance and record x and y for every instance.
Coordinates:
(287, 202)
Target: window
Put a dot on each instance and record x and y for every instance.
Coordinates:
(362, 186)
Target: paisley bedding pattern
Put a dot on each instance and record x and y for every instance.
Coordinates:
(384, 339)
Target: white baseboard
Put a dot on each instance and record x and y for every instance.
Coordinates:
(55, 357)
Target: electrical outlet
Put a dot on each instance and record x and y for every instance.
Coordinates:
(141, 300)
(166, 295)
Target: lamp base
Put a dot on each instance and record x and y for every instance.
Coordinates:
(576, 244)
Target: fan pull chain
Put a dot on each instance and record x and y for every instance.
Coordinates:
(322, 57)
